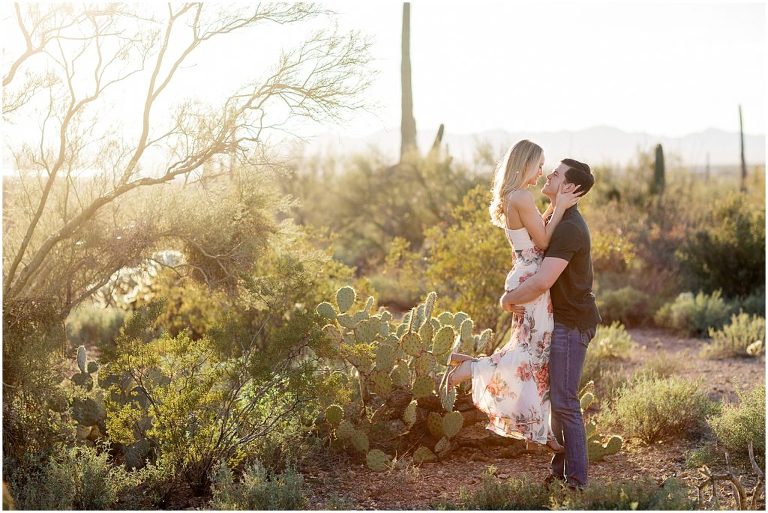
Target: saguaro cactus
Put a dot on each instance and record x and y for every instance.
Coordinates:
(408, 122)
(657, 187)
(743, 160)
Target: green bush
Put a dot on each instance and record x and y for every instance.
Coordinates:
(739, 424)
(92, 325)
(655, 409)
(607, 350)
(512, 494)
(627, 305)
(694, 315)
(728, 252)
(704, 455)
(641, 494)
(258, 489)
(744, 336)
(76, 478)
(657, 367)
(754, 303)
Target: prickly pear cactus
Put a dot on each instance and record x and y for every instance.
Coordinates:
(597, 446)
(84, 379)
(377, 460)
(394, 364)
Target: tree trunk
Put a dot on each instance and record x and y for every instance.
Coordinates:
(408, 122)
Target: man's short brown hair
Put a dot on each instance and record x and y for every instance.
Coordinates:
(578, 173)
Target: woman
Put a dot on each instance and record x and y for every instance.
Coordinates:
(512, 385)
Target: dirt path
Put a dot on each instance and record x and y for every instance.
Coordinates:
(338, 483)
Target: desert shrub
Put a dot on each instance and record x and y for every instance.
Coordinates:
(694, 315)
(92, 325)
(658, 367)
(728, 252)
(257, 489)
(744, 336)
(739, 424)
(705, 455)
(400, 282)
(76, 478)
(655, 409)
(512, 494)
(469, 261)
(641, 494)
(607, 350)
(754, 303)
(627, 305)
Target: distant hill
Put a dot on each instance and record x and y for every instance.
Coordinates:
(594, 145)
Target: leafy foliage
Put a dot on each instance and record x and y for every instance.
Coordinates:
(739, 424)
(728, 252)
(744, 336)
(694, 315)
(257, 489)
(655, 409)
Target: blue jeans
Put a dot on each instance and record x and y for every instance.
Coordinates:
(566, 359)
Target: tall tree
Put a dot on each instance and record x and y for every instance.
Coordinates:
(743, 160)
(71, 217)
(408, 122)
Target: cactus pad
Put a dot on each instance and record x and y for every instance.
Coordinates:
(596, 450)
(368, 303)
(466, 329)
(401, 376)
(423, 364)
(386, 316)
(443, 341)
(346, 320)
(382, 383)
(93, 367)
(423, 454)
(586, 401)
(345, 297)
(459, 319)
(359, 440)
(435, 424)
(377, 460)
(426, 332)
(385, 357)
(429, 305)
(448, 399)
(334, 414)
(411, 344)
(409, 415)
(452, 423)
(443, 446)
(423, 386)
(345, 430)
(81, 359)
(446, 319)
(325, 309)
(366, 331)
(333, 333)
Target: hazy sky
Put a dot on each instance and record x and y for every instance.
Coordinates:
(665, 68)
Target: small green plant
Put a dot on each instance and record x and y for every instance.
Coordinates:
(641, 494)
(607, 350)
(739, 424)
(754, 303)
(744, 336)
(694, 315)
(522, 493)
(704, 455)
(257, 489)
(76, 478)
(598, 445)
(653, 409)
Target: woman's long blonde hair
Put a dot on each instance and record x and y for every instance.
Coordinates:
(518, 165)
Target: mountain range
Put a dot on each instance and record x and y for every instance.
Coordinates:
(595, 145)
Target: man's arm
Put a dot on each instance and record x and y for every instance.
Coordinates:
(536, 285)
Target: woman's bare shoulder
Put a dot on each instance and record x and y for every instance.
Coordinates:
(520, 196)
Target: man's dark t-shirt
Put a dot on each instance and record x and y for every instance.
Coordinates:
(572, 297)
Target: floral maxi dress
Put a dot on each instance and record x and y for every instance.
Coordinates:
(512, 385)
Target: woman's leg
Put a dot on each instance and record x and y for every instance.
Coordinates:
(460, 374)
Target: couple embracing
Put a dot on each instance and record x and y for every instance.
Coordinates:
(529, 387)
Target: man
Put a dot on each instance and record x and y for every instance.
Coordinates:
(567, 272)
